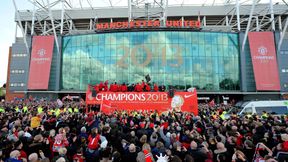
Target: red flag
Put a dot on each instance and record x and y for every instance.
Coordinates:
(106, 107)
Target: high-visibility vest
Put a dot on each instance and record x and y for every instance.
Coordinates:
(264, 116)
(57, 112)
(70, 110)
(17, 109)
(2, 110)
(50, 112)
(222, 116)
(25, 109)
(40, 110)
(76, 110)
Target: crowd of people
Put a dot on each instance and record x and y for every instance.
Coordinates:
(138, 87)
(31, 131)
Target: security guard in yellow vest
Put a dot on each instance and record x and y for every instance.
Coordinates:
(222, 116)
(2, 110)
(17, 109)
(70, 110)
(264, 115)
(39, 109)
(76, 110)
(57, 112)
(25, 109)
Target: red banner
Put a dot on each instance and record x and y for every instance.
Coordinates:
(40, 64)
(262, 49)
(160, 101)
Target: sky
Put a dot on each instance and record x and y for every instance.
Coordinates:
(7, 31)
(8, 26)
(7, 36)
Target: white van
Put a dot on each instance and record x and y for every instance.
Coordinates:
(257, 107)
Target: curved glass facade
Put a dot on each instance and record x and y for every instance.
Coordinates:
(206, 60)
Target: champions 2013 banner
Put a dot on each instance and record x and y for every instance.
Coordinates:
(160, 101)
(264, 60)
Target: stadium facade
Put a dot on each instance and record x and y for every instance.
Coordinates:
(207, 47)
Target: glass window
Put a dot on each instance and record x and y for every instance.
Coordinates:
(248, 110)
(205, 60)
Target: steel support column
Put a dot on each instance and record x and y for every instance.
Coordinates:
(129, 10)
(53, 26)
(33, 18)
(62, 16)
(248, 25)
(238, 15)
(272, 15)
(283, 34)
(21, 27)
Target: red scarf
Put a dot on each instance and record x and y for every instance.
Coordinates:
(147, 156)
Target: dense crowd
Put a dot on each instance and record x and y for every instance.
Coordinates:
(40, 131)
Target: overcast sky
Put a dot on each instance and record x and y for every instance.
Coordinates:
(7, 24)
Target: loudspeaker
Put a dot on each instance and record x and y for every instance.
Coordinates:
(94, 93)
(171, 92)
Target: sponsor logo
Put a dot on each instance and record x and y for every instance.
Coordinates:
(187, 96)
(41, 52)
(262, 50)
(41, 59)
(263, 55)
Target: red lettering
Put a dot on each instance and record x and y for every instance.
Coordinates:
(99, 26)
(169, 23)
(137, 23)
(149, 23)
(156, 23)
(185, 23)
(144, 23)
(118, 24)
(125, 24)
(105, 26)
(131, 24)
(198, 24)
(176, 24)
(191, 23)
(112, 25)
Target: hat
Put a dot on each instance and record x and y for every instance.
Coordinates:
(284, 137)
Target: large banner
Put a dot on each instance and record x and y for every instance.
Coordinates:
(262, 49)
(40, 64)
(160, 101)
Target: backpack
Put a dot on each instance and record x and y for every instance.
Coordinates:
(94, 143)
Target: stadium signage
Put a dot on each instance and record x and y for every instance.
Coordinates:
(160, 101)
(148, 24)
(263, 54)
(40, 63)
